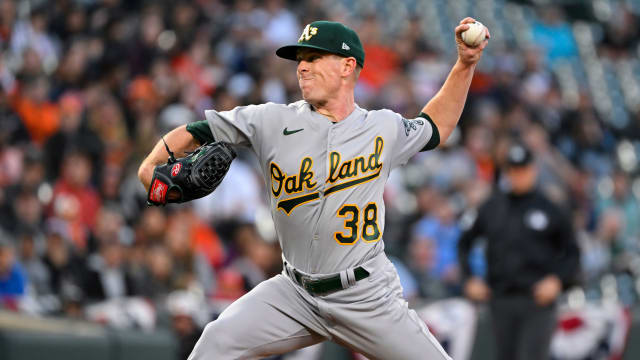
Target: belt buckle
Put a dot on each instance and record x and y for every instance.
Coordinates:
(307, 284)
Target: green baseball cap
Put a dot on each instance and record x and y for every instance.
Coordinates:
(330, 36)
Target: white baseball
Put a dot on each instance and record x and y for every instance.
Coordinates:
(475, 34)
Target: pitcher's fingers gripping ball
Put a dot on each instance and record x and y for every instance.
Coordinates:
(194, 176)
(475, 34)
(471, 39)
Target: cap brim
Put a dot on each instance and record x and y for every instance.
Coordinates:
(290, 52)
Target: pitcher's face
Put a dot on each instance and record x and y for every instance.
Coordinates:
(319, 75)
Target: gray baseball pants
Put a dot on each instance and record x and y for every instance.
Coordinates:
(279, 316)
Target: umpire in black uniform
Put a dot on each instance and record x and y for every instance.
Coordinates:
(531, 255)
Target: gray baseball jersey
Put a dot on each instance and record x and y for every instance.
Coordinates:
(325, 179)
(326, 182)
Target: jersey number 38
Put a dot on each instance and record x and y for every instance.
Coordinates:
(353, 228)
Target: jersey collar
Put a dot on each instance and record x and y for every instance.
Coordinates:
(355, 114)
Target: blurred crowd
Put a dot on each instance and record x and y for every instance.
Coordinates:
(87, 87)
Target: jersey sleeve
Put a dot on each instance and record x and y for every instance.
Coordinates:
(412, 136)
(240, 126)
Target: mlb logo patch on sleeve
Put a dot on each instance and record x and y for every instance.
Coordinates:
(411, 125)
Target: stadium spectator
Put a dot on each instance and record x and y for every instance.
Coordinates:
(13, 280)
(191, 267)
(435, 236)
(553, 33)
(107, 277)
(67, 271)
(621, 201)
(72, 134)
(74, 200)
(29, 255)
(256, 259)
(184, 308)
(28, 212)
(40, 116)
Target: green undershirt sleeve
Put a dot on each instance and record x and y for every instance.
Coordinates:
(201, 131)
(435, 136)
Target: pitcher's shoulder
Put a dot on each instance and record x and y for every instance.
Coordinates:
(382, 115)
(294, 107)
(300, 107)
(385, 119)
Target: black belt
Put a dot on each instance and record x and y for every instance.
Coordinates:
(325, 285)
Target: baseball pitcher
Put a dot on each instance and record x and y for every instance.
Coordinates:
(325, 162)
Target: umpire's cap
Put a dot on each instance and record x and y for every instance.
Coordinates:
(519, 155)
(330, 36)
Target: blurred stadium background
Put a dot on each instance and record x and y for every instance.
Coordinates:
(88, 86)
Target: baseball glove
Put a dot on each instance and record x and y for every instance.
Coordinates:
(191, 177)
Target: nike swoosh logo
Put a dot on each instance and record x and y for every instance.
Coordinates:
(287, 132)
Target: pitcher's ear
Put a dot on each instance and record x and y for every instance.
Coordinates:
(348, 65)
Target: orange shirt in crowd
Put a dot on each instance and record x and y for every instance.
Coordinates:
(381, 65)
(41, 120)
(192, 72)
(205, 241)
(485, 169)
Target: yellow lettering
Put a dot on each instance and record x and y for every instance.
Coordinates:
(356, 166)
(277, 176)
(334, 162)
(306, 175)
(294, 183)
(345, 170)
(290, 185)
(360, 164)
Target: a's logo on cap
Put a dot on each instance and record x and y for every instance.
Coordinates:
(308, 32)
(345, 47)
